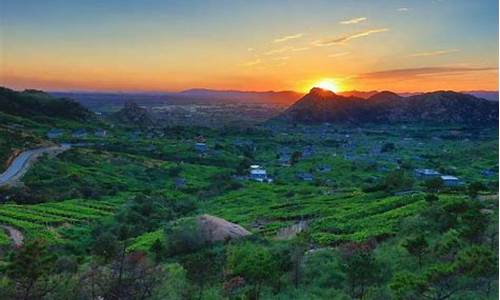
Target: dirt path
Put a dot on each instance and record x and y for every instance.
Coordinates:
(21, 164)
(16, 235)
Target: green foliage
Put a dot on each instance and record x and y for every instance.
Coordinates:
(253, 262)
(39, 104)
(417, 246)
(183, 236)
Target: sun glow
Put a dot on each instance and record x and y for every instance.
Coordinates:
(328, 85)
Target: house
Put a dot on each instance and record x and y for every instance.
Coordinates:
(201, 147)
(451, 181)
(101, 132)
(489, 172)
(284, 160)
(426, 173)
(55, 133)
(179, 183)
(79, 133)
(305, 176)
(257, 173)
(324, 168)
(308, 151)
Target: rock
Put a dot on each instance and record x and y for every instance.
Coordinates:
(217, 229)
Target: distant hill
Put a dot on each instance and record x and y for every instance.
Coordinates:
(360, 94)
(35, 103)
(108, 102)
(271, 97)
(133, 115)
(444, 107)
(488, 95)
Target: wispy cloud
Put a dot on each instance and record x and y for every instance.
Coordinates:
(252, 63)
(403, 9)
(434, 53)
(282, 58)
(339, 54)
(412, 72)
(279, 50)
(346, 38)
(353, 21)
(289, 37)
(300, 49)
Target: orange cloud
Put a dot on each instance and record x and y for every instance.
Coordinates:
(346, 38)
(353, 21)
(434, 53)
(288, 37)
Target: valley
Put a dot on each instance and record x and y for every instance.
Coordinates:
(338, 197)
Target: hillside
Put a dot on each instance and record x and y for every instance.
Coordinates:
(33, 103)
(441, 107)
(133, 115)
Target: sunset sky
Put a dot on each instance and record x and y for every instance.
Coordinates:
(158, 45)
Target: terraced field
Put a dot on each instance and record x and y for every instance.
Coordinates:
(42, 220)
(352, 216)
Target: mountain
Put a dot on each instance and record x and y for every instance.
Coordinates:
(444, 107)
(359, 94)
(35, 103)
(133, 114)
(488, 95)
(271, 97)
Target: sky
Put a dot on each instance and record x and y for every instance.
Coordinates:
(163, 45)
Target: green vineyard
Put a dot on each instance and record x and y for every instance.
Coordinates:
(42, 220)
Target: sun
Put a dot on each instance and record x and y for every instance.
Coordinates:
(327, 85)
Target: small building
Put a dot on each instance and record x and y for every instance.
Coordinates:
(324, 168)
(201, 147)
(426, 173)
(79, 133)
(180, 183)
(101, 132)
(304, 176)
(284, 160)
(257, 173)
(308, 151)
(489, 172)
(55, 133)
(451, 181)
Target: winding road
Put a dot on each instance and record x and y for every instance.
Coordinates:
(20, 165)
(17, 168)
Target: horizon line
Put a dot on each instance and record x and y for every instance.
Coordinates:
(88, 91)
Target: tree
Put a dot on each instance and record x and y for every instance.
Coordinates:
(296, 155)
(472, 269)
(397, 180)
(158, 249)
(253, 262)
(203, 265)
(105, 246)
(388, 147)
(474, 188)
(360, 268)
(434, 185)
(184, 237)
(28, 268)
(416, 246)
(174, 284)
(243, 166)
(431, 198)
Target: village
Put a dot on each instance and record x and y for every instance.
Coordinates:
(323, 155)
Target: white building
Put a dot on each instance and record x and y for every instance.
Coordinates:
(259, 174)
